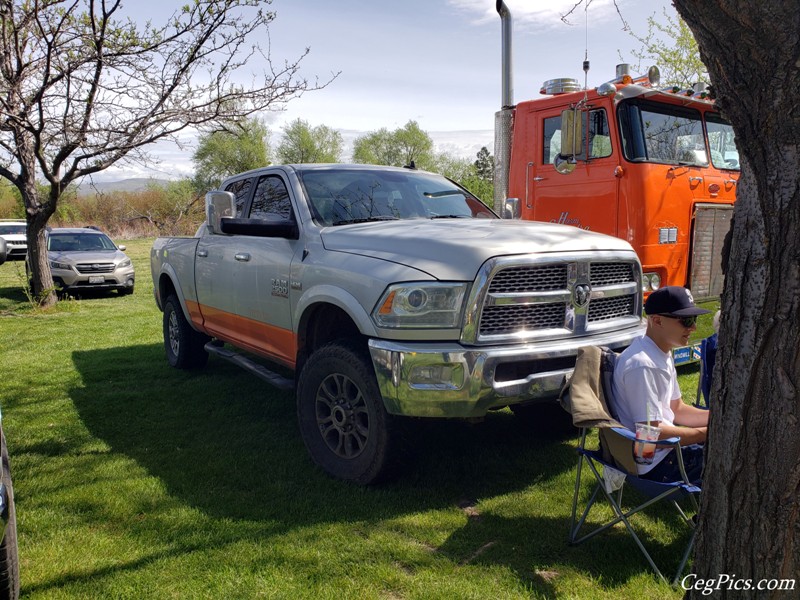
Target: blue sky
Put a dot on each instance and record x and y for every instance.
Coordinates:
(435, 61)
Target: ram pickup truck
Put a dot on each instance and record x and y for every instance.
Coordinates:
(388, 293)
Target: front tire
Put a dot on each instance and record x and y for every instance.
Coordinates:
(184, 346)
(343, 422)
(9, 559)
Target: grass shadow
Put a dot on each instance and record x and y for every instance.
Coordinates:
(223, 441)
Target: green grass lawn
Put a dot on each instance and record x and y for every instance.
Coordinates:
(135, 480)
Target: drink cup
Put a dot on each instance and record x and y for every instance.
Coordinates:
(643, 453)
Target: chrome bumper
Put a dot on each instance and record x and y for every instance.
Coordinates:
(450, 380)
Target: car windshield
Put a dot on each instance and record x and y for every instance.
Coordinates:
(7, 229)
(79, 242)
(344, 196)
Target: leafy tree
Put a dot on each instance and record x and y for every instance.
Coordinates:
(376, 148)
(396, 148)
(464, 172)
(302, 143)
(83, 87)
(484, 164)
(414, 145)
(670, 44)
(236, 148)
(749, 522)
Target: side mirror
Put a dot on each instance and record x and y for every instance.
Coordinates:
(571, 138)
(219, 205)
(511, 209)
(123, 247)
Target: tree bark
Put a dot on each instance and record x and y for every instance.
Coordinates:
(750, 510)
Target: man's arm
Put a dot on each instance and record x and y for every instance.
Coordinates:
(688, 435)
(688, 415)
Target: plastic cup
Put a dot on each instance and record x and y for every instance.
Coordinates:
(643, 453)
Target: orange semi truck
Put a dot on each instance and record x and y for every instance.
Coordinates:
(655, 167)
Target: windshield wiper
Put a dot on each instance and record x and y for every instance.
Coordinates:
(366, 220)
(443, 193)
(450, 217)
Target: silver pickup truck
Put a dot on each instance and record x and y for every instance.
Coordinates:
(389, 293)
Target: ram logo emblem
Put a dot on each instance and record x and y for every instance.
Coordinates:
(581, 295)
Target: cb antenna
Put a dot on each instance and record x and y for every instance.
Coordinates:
(586, 51)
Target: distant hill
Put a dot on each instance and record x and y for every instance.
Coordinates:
(125, 185)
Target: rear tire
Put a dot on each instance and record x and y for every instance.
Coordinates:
(184, 346)
(343, 422)
(9, 559)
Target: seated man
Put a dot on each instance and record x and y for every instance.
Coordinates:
(645, 385)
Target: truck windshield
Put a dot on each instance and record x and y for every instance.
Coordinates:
(342, 196)
(674, 135)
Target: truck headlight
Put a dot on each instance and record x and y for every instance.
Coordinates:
(54, 264)
(651, 282)
(416, 305)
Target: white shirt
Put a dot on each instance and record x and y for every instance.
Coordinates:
(645, 383)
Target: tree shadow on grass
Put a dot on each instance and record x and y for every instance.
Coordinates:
(224, 441)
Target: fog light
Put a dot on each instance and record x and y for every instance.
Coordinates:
(441, 376)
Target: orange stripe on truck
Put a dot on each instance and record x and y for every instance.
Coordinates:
(260, 338)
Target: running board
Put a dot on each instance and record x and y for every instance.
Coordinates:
(279, 381)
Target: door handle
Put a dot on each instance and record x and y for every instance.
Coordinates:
(202, 253)
(538, 178)
(242, 256)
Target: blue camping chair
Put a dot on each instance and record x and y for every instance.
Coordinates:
(612, 466)
(708, 356)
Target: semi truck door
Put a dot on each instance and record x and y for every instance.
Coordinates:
(586, 198)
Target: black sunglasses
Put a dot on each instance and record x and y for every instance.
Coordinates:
(685, 321)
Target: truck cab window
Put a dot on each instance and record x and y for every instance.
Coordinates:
(271, 200)
(241, 190)
(662, 133)
(722, 143)
(595, 124)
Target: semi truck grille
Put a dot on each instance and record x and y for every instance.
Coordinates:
(89, 268)
(711, 224)
(525, 299)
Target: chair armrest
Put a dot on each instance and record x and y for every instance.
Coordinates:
(674, 442)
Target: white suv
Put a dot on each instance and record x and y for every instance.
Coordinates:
(83, 259)
(13, 232)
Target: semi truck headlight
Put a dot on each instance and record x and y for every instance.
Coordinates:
(651, 282)
(415, 305)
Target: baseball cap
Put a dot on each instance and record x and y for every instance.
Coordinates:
(672, 300)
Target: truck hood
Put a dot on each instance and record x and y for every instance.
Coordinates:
(101, 256)
(454, 249)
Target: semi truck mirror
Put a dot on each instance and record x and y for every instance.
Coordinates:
(512, 209)
(218, 205)
(564, 164)
(571, 133)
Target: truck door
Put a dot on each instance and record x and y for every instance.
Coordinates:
(214, 272)
(263, 276)
(586, 198)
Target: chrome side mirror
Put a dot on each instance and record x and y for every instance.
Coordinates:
(219, 205)
(511, 209)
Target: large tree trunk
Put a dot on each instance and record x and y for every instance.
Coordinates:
(38, 265)
(750, 509)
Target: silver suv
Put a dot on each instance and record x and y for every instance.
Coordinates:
(13, 231)
(87, 259)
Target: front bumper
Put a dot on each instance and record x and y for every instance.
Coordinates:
(71, 281)
(450, 380)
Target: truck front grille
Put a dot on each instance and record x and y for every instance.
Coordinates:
(91, 268)
(530, 298)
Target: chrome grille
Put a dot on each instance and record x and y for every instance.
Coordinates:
(529, 298)
(529, 279)
(609, 273)
(505, 320)
(603, 309)
(91, 268)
